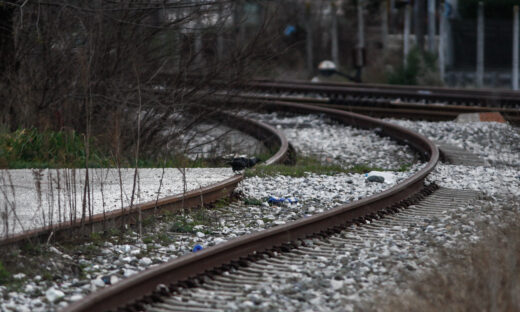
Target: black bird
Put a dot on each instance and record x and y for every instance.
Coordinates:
(240, 163)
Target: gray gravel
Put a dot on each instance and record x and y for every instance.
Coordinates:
(498, 143)
(378, 264)
(330, 141)
(315, 193)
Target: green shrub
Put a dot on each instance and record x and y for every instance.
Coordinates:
(4, 274)
(33, 148)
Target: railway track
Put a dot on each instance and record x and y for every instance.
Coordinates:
(344, 92)
(211, 279)
(270, 136)
(243, 282)
(413, 102)
(187, 271)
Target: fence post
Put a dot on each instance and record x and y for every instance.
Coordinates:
(479, 81)
(309, 39)
(431, 26)
(384, 25)
(514, 75)
(406, 33)
(334, 33)
(442, 34)
(361, 34)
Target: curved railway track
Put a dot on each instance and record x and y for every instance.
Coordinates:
(136, 292)
(271, 137)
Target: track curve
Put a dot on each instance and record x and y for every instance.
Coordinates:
(195, 264)
(272, 138)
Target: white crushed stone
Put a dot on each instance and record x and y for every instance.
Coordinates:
(498, 143)
(334, 142)
(323, 191)
(29, 208)
(315, 193)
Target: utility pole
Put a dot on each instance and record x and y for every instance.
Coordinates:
(479, 81)
(419, 24)
(431, 26)
(442, 34)
(361, 34)
(406, 33)
(384, 25)
(514, 74)
(334, 32)
(309, 39)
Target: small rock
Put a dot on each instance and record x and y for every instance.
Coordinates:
(375, 178)
(75, 297)
(54, 295)
(114, 279)
(200, 234)
(29, 288)
(19, 276)
(145, 261)
(98, 282)
(218, 240)
(336, 284)
(128, 272)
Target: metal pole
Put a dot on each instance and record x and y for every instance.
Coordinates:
(361, 34)
(334, 33)
(406, 33)
(514, 75)
(442, 33)
(309, 39)
(479, 81)
(384, 25)
(431, 26)
(419, 24)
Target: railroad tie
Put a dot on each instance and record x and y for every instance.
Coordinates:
(231, 287)
(454, 155)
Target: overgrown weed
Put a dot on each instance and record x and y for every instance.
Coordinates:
(308, 164)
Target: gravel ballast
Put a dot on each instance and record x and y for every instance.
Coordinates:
(40, 197)
(315, 193)
(367, 270)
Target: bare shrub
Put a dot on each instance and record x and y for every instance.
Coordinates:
(484, 277)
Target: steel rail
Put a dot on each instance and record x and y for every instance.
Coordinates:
(398, 110)
(270, 136)
(406, 88)
(183, 268)
(482, 97)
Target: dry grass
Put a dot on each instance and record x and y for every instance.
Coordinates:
(484, 277)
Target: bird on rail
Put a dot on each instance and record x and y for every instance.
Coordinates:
(241, 163)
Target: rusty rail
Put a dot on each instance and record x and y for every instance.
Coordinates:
(270, 136)
(186, 267)
(488, 98)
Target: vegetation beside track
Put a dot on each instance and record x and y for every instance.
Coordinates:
(483, 277)
(52, 262)
(31, 148)
(309, 164)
